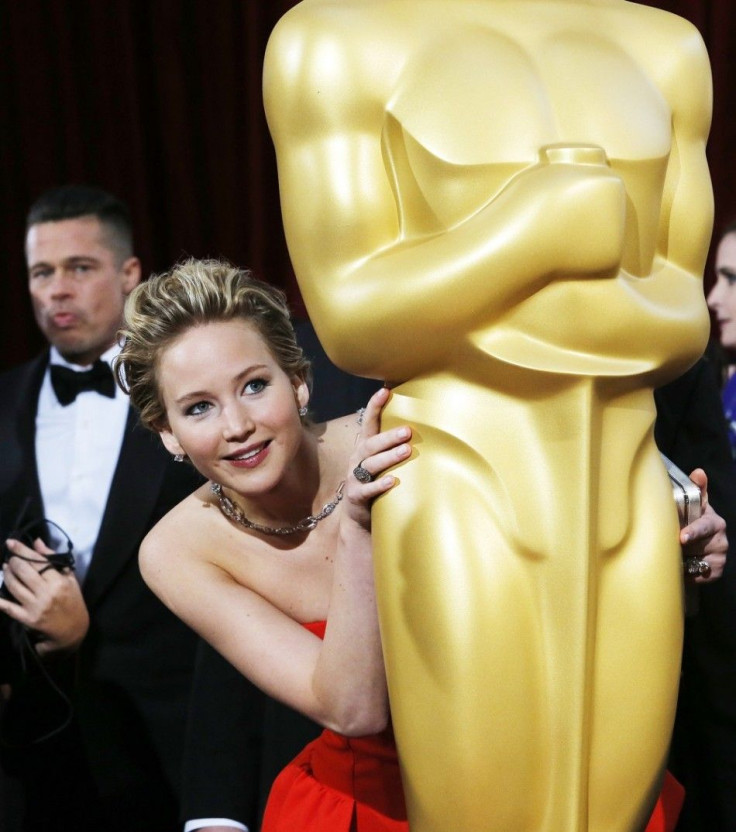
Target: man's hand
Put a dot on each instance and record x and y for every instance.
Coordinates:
(47, 601)
(705, 538)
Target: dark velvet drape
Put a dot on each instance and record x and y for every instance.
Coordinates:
(160, 102)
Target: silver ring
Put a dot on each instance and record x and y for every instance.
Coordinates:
(697, 568)
(361, 474)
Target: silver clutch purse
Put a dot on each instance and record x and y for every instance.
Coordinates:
(688, 499)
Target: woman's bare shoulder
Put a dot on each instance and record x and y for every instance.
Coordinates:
(339, 435)
(182, 529)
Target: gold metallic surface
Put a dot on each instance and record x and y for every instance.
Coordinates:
(503, 207)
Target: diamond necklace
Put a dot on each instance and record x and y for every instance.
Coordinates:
(306, 524)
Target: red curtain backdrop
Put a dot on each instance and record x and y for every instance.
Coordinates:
(160, 102)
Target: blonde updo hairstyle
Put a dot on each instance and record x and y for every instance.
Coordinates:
(193, 293)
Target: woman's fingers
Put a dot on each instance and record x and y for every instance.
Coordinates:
(375, 452)
(372, 466)
(371, 418)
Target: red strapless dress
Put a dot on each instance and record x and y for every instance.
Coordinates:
(342, 784)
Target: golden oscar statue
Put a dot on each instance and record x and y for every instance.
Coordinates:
(503, 208)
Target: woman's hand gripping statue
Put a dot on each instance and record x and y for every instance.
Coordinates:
(374, 453)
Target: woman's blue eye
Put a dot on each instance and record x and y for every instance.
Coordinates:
(197, 409)
(256, 385)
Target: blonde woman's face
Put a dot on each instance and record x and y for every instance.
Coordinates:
(722, 297)
(230, 407)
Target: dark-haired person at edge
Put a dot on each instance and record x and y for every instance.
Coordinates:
(278, 543)
(692, 430)
(98, 671)
(722, 303)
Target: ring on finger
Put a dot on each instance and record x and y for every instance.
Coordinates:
(697, 568)
(360, 473)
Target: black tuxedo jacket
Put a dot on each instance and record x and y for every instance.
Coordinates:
(130, 681)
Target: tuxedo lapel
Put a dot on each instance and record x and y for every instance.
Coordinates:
(134, 492)
(19, 481)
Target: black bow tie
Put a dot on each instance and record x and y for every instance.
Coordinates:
(68, 383)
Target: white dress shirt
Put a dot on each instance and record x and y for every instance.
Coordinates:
(77, 450)
(192, 825)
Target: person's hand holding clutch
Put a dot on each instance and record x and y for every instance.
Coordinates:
(704, 540)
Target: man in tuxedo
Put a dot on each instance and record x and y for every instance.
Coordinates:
(99, 671)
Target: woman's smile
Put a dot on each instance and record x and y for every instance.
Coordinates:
(250, 458)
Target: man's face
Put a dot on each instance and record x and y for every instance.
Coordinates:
(78, 287)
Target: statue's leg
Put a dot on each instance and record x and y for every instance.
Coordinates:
(524, 688)
(638, 643)
(466, 663)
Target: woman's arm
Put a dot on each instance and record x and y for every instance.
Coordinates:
(352, 644)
